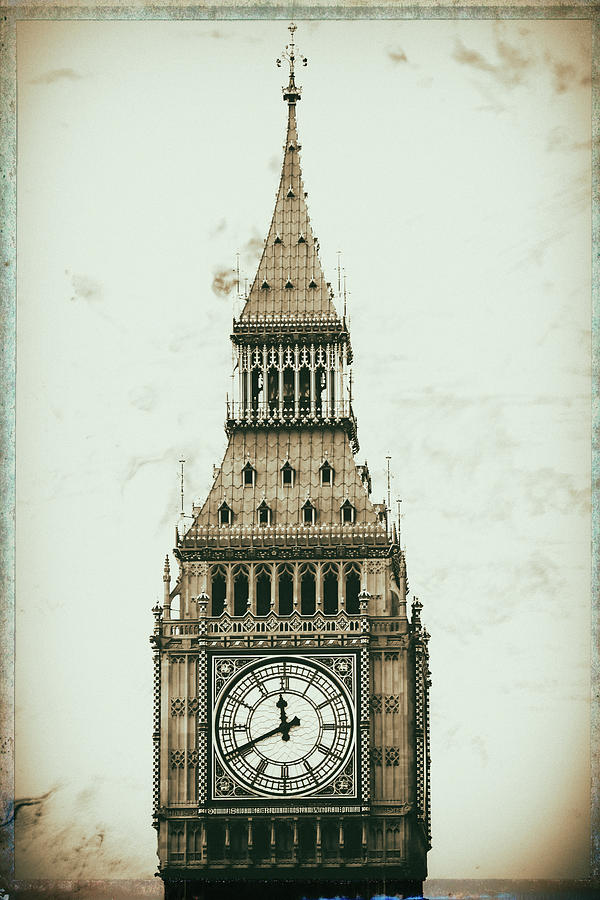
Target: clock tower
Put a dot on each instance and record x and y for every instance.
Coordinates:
(291, 745)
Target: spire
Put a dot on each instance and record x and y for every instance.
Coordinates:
(290, 281)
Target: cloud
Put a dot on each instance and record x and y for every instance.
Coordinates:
(57, 75)
(510, 68)
(224, 281)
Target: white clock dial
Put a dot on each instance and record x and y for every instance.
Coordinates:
(284, 726)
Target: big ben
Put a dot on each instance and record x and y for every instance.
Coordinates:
(291, 716)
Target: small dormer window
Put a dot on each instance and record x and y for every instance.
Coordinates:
(327, 474)
(312, 283)
(277, 239)
(301, 239)
(264, 513)
(348, 513)
(248, 475)
(289, 284)
(309, 513)
(290, 192)
(225, 514)
(288, 475)
(265, 286)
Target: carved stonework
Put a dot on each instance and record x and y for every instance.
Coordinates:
(392, 756)
(177, 759)
(376, 703)
(392, 703)
(177, 706)
(376, 756)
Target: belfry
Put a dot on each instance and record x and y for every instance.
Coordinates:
(291, 744)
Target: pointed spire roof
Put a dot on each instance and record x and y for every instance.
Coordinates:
(290, 281)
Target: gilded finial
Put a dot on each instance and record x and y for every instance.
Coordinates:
(291, 93)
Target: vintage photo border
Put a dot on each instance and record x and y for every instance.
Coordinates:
(10, 15)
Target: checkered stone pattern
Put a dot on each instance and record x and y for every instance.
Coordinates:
(420, 761)
(202, 711)
(156, 737)
(364, 684)
(202, 765)
(202, 703)
(365, 691)
(376, 703)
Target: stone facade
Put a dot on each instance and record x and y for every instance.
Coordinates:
(289, 562)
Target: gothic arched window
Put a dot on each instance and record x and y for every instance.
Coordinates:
(308, 590)
(286, 591)
(352, 589)
(240, 590)
(218, 590)
(330, 590)
(263, 590)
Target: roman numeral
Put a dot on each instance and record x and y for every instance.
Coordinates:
(240, 701)
(259, 685)
(284, 772)
(260, 769)
(309, 770)
(312, 678)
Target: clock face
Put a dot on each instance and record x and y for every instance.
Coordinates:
(284, 726)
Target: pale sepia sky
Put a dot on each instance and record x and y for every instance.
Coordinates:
(450, 162)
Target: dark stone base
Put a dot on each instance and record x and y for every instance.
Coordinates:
(362, 886)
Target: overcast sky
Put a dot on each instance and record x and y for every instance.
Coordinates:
(449, 161)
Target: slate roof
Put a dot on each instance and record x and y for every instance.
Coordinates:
(290, 255)
(267, 450)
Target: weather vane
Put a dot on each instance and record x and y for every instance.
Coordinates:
(289, 54)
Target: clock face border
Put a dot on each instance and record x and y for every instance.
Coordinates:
(324, 794)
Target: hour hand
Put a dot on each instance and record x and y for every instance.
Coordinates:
(285, 728)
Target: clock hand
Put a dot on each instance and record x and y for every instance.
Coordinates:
(285, 728)
(255, 740)
(282, 728)
(281, 703)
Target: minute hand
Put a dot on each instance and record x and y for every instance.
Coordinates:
(283, 728)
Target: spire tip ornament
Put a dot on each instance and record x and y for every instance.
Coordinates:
(292, 92)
